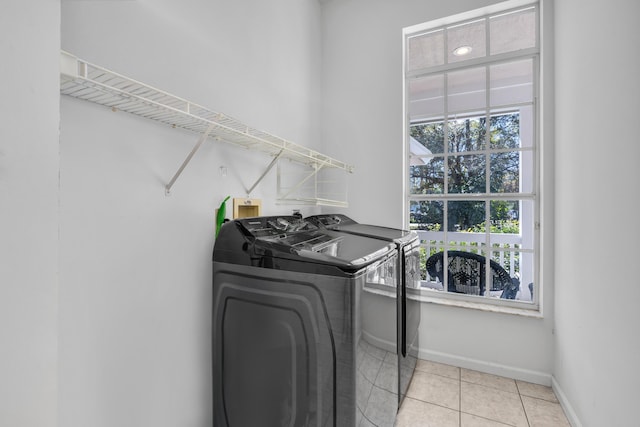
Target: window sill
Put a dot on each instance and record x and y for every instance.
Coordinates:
(462, 301)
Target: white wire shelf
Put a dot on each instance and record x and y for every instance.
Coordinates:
(89, 82)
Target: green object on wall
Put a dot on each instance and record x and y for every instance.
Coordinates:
(222, 212)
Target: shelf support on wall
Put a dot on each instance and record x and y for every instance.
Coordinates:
(271, 165)
(203, 137)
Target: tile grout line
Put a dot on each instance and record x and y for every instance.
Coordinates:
(520, 394)
(478, 383)
(522, 403)
(484, 385)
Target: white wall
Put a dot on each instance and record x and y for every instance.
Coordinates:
(362, 121)
(135, 265)
(29, 43)
(597, 344)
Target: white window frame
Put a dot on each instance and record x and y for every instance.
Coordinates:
(532, 308)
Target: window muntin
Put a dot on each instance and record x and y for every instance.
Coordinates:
(472, 138)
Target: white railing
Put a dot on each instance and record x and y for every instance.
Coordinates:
(502, 245)
(506, 249)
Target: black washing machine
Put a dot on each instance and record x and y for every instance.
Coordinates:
(288, 346)
(400, 298)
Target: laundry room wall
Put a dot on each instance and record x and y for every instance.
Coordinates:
(29, 43)
(135, 264)
(597, 345)
(362, 114)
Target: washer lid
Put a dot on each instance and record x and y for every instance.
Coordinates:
(294, 238)
(342, 223)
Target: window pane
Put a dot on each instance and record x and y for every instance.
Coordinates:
(466, 174)
(527, 224)
(426, 97)
(425, 50)
(505, 172)
(465, 215)
(512, 217)
(467, 134)
(467, 89)
(511, 82)
(508, 260)
(527, 173)
(505, 130)
(466, 272)
(513, 31)
(427, 178)
(504, 277)
(429, 137)
(435, 274)
(505, 215)
(426, 215)
(528, 287)
(463, 37)
(519, 267)
(527, 126)
(512, 242)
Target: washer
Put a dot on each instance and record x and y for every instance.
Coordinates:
(287, 327)
(407, 309)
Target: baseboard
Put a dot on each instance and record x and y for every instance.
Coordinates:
(378, 342)
(531, 376)
(564, 402)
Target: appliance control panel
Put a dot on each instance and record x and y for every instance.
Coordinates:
(273, 226)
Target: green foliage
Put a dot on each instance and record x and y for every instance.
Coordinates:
(499, 226)
(465, 168)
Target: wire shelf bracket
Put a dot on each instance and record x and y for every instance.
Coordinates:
(186, 161)
(271, 165)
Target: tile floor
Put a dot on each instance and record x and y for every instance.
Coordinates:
(447, 396)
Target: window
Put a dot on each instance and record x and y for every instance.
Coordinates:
(471, 124)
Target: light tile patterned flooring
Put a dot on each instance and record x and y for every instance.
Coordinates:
(447, 396)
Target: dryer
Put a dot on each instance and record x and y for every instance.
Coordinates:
(401, 299)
